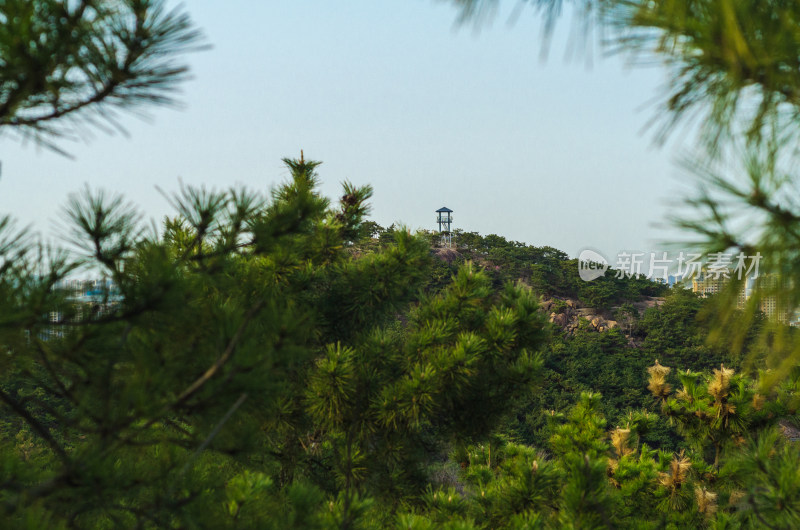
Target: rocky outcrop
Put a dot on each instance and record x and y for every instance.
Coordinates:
(446, 254)
(568, 314)
(789, 431)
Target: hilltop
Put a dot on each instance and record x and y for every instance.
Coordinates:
(603, 334)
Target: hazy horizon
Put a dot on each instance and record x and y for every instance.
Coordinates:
(397, 96)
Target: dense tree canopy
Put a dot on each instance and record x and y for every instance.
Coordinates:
(275, 361)
(272, 362)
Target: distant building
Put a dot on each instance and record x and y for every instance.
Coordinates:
(84, 299)
(770, 302)
(707, 286)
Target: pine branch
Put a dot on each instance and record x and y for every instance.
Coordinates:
(222, 360)
(214, 432)
(36, 425)
(68, 68)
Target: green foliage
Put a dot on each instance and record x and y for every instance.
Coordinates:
(733, 61)
(715, 411)
(67, 66)
(597, 478)
(763, 483)
(733, 70)
(218, 324)
(548, 271)
(268, 366)
(276, 362)
(579, 445)
(250, 349)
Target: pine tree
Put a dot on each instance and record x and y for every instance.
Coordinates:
(69, 66)
(217, 322)
(247, 337)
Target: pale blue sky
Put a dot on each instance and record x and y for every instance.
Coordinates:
(393, 94)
